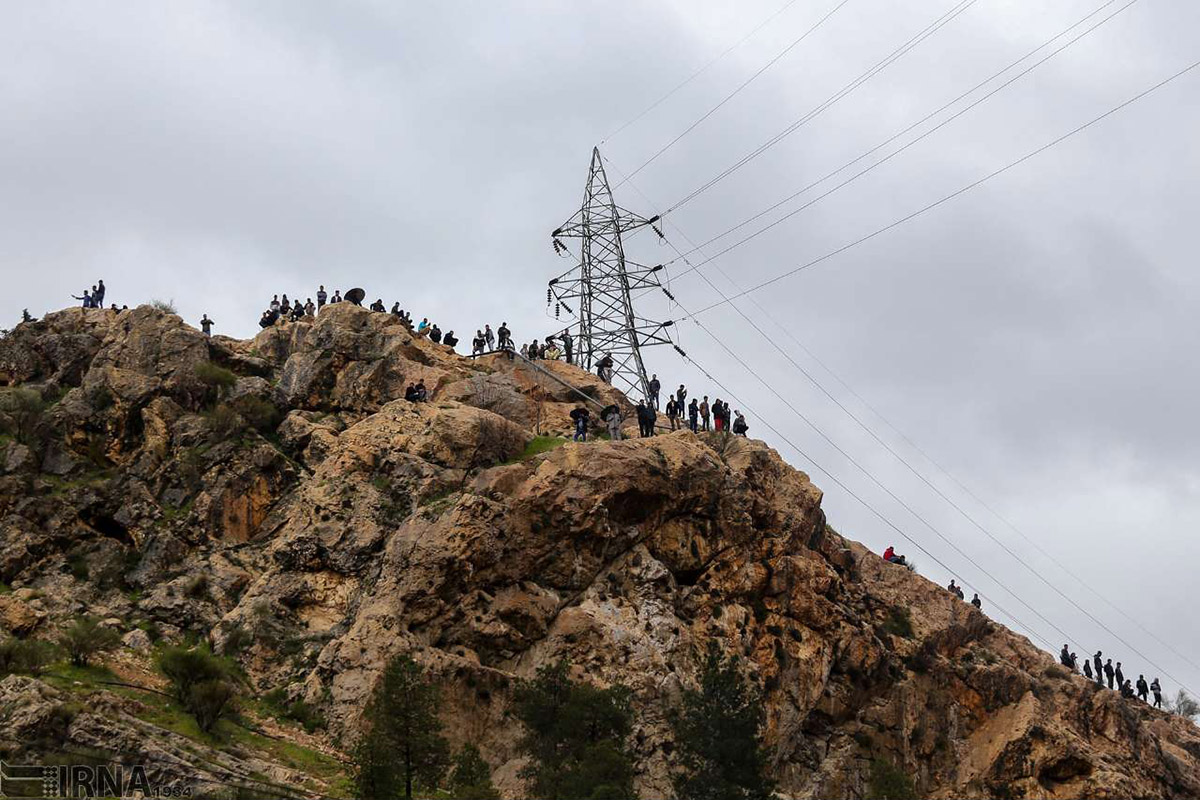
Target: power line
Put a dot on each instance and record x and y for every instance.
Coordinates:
(905, 147)
(878, 67)
(743, 85)
(700, 71)
(952, 195)
(909, 466)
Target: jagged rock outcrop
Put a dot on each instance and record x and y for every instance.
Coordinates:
(339, 525)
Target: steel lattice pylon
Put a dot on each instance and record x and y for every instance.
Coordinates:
(602, 283)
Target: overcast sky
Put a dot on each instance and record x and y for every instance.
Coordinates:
(1034, 336)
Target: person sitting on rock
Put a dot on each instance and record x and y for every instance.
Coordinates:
(1064, 656)
(310, 310)
(274, 304)
(975, 601)
(1143, 689)
(422, 393)
(410, 393)
(396, 310)
(27, 317)
(552, 352)
(377, 305)
(1127, 689)
(604, 368)
(297, 311)
(450, 340)
(206, 325)
(435, 334)
(891, 556)
(266, 320)
(423, 326)
(1157, 689)
(1087, 669)
(739, 424)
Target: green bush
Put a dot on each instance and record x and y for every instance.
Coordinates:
(898, 622)
(164, 305)
(237, 640)
(85, 639)
(888, 782)
(78, 565)
(225, 422)
(262, 414)
(306, 714)
(31, 656)
(22, 409)
(214, 376)
(201, 682)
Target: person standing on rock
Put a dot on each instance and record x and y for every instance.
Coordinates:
(489, 337)
(504, 334)
(1119, 676)
(693, 415)
(975, 601)
(641, 418)
(568, 346)
(1099, 667)
(1064, 656)
(739, 424)
(580, 415)
(1108, 672)
(98, 294)
(681, 398)
(87, 298)
(614, 424)
(206, 325)
(1074, 663)
(1143, 689)
(321, 297)
(478, 343)
(655, 387)
(704, 409)
(1087, 669)
(1157, 689)
(672, 413)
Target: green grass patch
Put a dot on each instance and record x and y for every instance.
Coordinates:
(898, 622)
(539, 445)
(890, 782)
(5, 588)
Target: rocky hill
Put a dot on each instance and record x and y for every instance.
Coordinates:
(278, 498)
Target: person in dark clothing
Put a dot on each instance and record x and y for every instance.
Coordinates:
(410, 393)
(704, 412)
(87, 299)
(1099, 667)
(98, 294)
(206, 325)
(1127, 689)
(489, 337)
(604, 368)
(503, 335)
(435, 334)
(644, 427)
(1108, 672)
(297, 311)
(266, 320)
(1074, 663)
(580, 415)
(1143, 689)
(694, 415)
(1064, 656)
(568, 346)
(477, 343)
(422, 393)
(681, 396)
(337, 296)
(1157, 689)
(655, 388)
(1087, 669)
(378, 304)
(975, 601)
(321, 297)
(1120, 677)
(718, 416)
(739, 424)
(27, 317)
(450, 340)
(672, 413)
(285, 307)
(533, 350)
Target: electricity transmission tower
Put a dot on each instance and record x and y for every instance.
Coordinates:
(602, 285)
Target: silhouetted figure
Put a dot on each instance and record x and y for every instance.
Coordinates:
(655, 387)
(1099, 668)
(672, 413)
(378, 305)
(266, 320)
(739, 424)
(98, 293)
(477, 344)
(435, 334)
(1108, 673)
(1064, 656)
(503, 334)
(1117, 672)
(1127, 689)
(489, 337)
(975, 601)
(450, 340)
(322, 297)
(206, 325)
(681, 396)
(580, 416)
(1157, 689)
(645, 428)
(1087, 669)
(604, 368)
(27, 317)
(704, 409)
(568, 347)
(1143, 688)
(693, 415)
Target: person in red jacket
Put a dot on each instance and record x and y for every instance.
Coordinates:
(887, 554)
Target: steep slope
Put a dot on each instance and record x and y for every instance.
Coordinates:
(306, 505)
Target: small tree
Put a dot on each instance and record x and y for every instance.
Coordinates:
(889, 782)
(1185, 705)
(718, 733)
(402, 743)
(85, 639)
(576, 737)
(472, 778)
(201, 682)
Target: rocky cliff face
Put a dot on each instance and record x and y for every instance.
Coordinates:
(308, 505)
